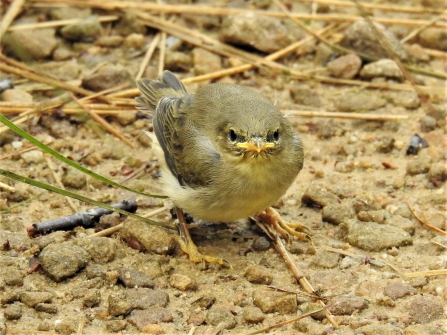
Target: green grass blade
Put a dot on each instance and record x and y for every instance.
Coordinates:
(67, 161)
(66, 193)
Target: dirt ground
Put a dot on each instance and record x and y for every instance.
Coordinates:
(359, 192)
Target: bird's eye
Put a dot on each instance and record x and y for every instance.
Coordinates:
(232, 136)
(276, 135)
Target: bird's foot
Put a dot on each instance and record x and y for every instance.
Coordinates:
(272, 217)
(189, 248)
(187, 245)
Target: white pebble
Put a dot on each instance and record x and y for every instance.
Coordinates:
(16, 144)
(33, 156)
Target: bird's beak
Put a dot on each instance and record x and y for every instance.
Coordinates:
(255, 145)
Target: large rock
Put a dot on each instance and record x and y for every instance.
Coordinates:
(36, 44)
(87, 28)
(361, 37)
(62, 260)
(107, 77)
(373, 236)
(263, 33)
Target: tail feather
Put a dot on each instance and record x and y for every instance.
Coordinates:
(167, 85)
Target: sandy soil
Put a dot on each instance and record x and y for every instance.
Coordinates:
(354, 195)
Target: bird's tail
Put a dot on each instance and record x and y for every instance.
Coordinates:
(167, 85)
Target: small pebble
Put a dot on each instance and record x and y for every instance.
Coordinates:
(153, 315)
(382, 68)
(261, 244)
(418, 165)
(398, 290)
(345, 67)
(253, 315)
(118, 304)
(427, 308)
(274, 302)
(31, 299)
(136, 41)
(258, 274)
(13, 312)
(182, 282)
(216, 316)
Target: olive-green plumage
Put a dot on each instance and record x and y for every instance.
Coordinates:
(228, 150)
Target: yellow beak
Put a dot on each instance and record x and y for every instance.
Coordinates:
(255, 144)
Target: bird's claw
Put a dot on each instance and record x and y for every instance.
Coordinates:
(189, 248)
(286, 229)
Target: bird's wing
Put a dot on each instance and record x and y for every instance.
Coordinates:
(189, 155)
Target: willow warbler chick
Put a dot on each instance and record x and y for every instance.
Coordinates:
(226, 152)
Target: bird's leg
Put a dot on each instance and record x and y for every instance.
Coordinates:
(286, 229)
(187, 245)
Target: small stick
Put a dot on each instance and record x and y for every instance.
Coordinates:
(150, 166)
(429, 273)
(299, 275)
(59, 182)
(162, 48)
(211, 10)
(87, 219)
(421, 28)
(341, 115)
(7, 187)
(147, 56)
(33, 147)
(368, 259)
(107, 126)
(280, 324)
(13, 11)
(104, 92)
(425, 223)
(114, 229)
(23, 71)
(58, 23)
(80, 327)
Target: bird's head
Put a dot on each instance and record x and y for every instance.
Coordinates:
(252, 138)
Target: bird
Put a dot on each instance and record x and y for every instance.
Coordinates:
(226, 153)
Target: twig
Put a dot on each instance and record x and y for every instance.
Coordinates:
(379, 6)
(191, 331)
(33, 147)
(103, 122)
(341, 115)
(212, 10)
(58, 23)
(114, 229)
(46, 80)
(7, 187)
(427, 273)
(161, 46)
(104, 92)
(147, 56)
(421, 28)
(81, 325)
(299, 275)
(370, 260)
(425, 223)
(87, 219)
(150, 166)
(59, 182)
(161, 58)
(13, 11)
(280, 324)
